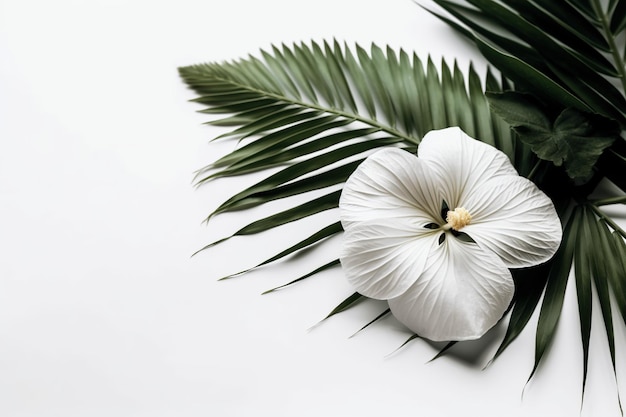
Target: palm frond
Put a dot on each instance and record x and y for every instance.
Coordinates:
(584, 273)
(386, 312)
(554, 294)
(312, 113)
(568, 54)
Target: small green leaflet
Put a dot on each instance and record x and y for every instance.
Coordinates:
(574, 139)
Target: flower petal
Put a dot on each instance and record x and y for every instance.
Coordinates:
(463, 292)
(383, 258)
(390, 183)
(514, 219)
(465, 162)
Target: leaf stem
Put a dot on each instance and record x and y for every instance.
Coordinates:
(534, 169)
(604, 20)
(608, 220)
(609, 201)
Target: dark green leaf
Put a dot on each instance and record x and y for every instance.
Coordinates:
(584, 6)
(543, 43)
(618, 21)
(572, 47)
(406, 342)
(317, 205)
(521, 111)
(305, 276)
(613, 164)
(529, 285)
(322, 180)
(610, 102)
(273, 157)
(570, 19)
(317, 237)
(298, 170)
(605, 266)
(522, 73)
(618, 278)
(245, 117)
(283, 117)
(582, 40)
(282, 138)
(555, 289)
(375, 319)
(346, 304)
(575, 139)
(583, 274)
(443, 350)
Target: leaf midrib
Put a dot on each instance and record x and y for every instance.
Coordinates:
(606, 27)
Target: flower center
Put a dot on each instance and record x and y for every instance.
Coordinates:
(457, 219)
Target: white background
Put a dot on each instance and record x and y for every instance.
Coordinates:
(102, 310)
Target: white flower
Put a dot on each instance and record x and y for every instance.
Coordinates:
(435, 235)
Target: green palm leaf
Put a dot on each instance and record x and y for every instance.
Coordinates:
(555, 289)
(566, 53)
(606, 265)
(312, 113)
(583, 273)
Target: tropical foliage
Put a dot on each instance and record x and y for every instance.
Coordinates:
(568, 54)
(567, 60)
(318, 110)
(312, 112)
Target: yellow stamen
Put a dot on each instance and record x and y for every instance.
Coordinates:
(457, 219)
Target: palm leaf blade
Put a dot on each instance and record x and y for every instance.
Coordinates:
(316, 271)
(317, 205)
(582, 274)
(529, 285)
(618, 21)
(302, 107)
(543, 43)
(555, 290)
(274, 157)
(315, 238)
(523, 74)
(606, 265)
(346, 304)
(570, 43)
